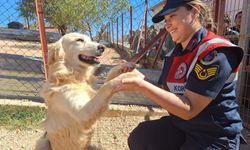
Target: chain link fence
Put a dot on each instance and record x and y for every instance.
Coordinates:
(20, 60)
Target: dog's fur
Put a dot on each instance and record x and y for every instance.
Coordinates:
(73, 105)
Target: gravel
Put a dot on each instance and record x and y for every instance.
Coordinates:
(111, 132)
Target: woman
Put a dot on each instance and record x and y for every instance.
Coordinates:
(198, 80)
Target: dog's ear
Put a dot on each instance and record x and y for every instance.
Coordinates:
(58, 72)
(55, 53)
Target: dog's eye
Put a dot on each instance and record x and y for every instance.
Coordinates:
(80, 40)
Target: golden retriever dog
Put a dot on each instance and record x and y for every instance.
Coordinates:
(73, 106)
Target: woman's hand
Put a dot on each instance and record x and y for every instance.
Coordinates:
(130, 81)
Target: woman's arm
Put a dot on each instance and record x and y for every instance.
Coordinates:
(185, 107)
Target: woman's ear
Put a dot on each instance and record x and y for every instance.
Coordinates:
(196, 12)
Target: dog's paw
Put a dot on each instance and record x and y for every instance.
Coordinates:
(131, 74)
(117, 70)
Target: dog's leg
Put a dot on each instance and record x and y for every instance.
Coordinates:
(117, 70)
(88, 113)
(99, 103)
(96, 106)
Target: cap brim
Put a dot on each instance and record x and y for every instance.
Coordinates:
(160, 15)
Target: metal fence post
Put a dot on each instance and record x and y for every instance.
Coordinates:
(243, 81)
(117, 28)
(122, 33)
(131, 27)
(245, 28)
(146, 19)
(219, 15)
(107, 34)
(110, 32)
(112, 26)
(39, 11)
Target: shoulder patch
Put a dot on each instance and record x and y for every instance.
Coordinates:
(209, 58)
(205, 73)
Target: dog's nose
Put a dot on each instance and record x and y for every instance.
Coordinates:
(101, 48)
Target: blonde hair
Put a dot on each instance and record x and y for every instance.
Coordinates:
(205, 16)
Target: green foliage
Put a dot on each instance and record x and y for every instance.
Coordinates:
(80, 15)
(27, 10)
(102, 12)
(21, 117)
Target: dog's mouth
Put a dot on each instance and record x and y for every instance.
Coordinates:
(89, 59)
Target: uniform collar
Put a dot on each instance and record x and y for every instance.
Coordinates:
(197, 37)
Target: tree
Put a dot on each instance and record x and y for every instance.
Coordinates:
(76, 15)
(27, 10)
(105, 11)
(83, 15)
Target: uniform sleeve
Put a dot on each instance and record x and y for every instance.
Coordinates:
(210, 73)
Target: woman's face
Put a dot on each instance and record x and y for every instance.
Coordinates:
(180, 24)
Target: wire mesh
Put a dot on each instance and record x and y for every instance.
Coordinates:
(20, 61)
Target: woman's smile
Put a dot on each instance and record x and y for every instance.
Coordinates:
(172, 32)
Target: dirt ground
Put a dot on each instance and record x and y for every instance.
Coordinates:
(111, 134)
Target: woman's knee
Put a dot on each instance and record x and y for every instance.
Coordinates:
(156, 134)
(137, 137)
(132, 141)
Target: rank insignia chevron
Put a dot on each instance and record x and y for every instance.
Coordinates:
(204, 74)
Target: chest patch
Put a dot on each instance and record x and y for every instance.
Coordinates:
(205, 73)
(181, 71)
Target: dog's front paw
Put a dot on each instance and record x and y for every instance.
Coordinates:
(117, 70)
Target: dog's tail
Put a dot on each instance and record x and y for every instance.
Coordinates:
(43, 143)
